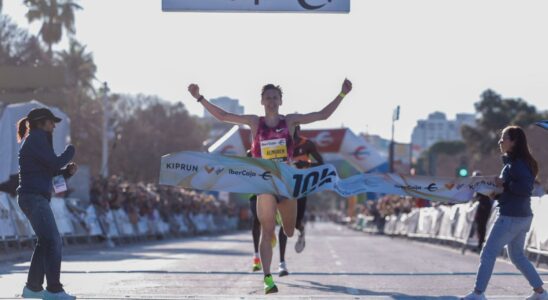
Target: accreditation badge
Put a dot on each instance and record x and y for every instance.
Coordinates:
(275, 149)
(59, 184)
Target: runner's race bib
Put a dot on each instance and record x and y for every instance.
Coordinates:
(275, 149)
(59, 184)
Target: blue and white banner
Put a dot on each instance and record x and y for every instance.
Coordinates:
(236, 174)
(323, 6)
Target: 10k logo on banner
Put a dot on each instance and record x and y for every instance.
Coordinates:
(329, 6)
(308, 183)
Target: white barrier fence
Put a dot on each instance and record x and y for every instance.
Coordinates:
(74, 222)
(456, 223)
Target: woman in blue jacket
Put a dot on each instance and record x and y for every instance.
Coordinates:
(514, 218)
(39, 168)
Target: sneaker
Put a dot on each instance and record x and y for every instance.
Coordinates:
(299, 246)
(537, 296)
(269, 286)
(30, 294)
(57, 296)
(282, 270)
(257, 266)
(474, 296)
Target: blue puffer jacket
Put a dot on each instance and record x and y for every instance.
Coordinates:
(515, 200)
(38, 164)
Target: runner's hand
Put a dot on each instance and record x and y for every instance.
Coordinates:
(346, 86)
(194, 90)
(72, 168)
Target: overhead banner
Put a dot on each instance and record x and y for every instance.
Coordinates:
(310, 6)
(202, 171)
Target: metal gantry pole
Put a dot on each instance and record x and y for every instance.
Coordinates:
(106, 115)
(395, 117)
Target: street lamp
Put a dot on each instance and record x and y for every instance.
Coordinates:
(395, 117)
(106, 112)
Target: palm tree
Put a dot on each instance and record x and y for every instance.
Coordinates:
(55, 15)
(79, 65)
(79, 73)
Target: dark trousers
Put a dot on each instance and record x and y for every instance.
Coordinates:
(46, 259)
(301, 209)
(482, 218)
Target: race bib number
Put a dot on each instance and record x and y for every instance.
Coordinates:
(275, 149)
(59, 184)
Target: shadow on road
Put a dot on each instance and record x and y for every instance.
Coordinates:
(330, 288)
(23, 269)
(123, 254)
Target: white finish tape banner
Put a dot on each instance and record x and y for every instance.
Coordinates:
(202, 171)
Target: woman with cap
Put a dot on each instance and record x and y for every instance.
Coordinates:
(40, 170)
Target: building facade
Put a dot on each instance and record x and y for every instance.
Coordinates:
(437, 128)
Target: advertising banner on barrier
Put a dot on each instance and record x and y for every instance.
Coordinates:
(324, 6)
(62, 216)
(204, 171)
(7, 227)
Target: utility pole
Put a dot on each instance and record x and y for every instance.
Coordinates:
(395, 117)
(106, 116)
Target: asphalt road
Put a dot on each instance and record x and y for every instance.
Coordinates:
(337, 263)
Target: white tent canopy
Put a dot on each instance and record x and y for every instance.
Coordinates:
(9, 148)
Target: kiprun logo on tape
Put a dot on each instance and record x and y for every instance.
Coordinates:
(322, 6)
(182, 166)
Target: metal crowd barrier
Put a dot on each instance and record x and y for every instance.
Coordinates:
(74, 222)
(456, 224)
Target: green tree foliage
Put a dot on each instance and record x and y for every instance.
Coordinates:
(448, 147)
(494, 113)
(426, 163)
(150, 132)
(55, 15)
(79, 65)
(18, 47)
(146, 127)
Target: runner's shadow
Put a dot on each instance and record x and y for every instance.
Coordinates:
(183, 250)
(316, 286)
